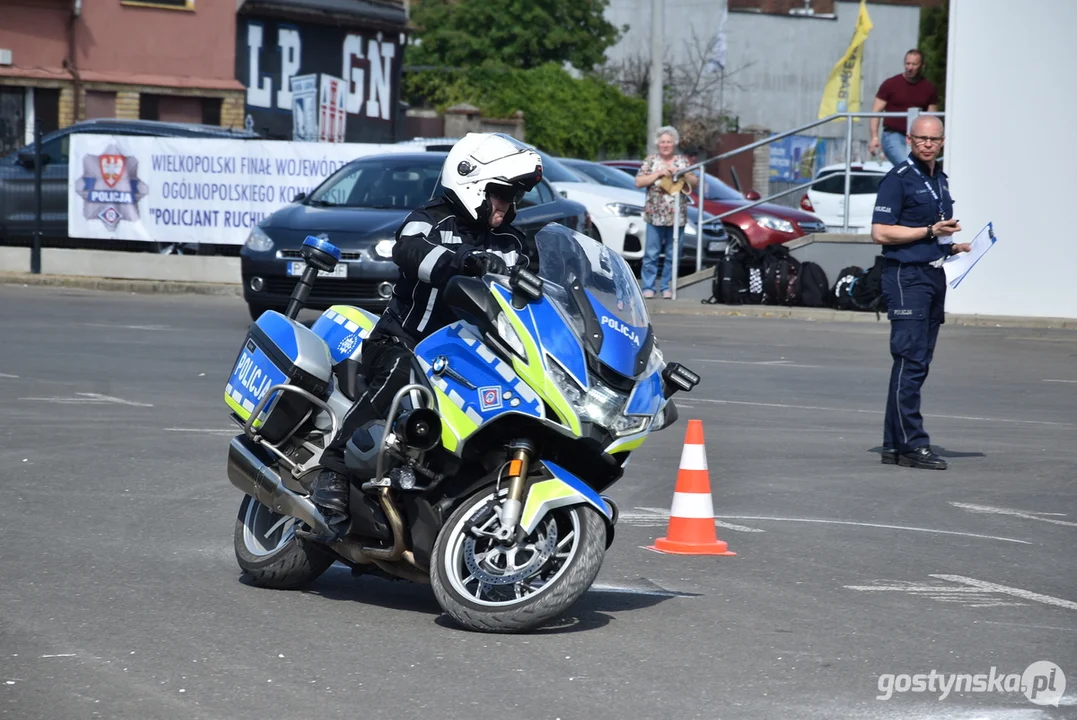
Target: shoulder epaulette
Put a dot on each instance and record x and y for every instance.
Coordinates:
(903, 168)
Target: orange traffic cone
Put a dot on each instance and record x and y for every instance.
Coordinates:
(691, 519)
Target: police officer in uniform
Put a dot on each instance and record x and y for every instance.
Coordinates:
(913, 221)
(466, 230)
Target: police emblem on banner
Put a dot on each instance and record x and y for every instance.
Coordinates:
(110, 188)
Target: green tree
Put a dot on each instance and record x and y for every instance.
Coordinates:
(934, 33)
(578, 117)
(514, 33)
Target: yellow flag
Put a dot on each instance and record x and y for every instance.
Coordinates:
(842, 92)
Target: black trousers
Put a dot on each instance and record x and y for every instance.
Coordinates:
(385, 364)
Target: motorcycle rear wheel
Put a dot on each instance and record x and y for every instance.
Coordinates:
(489, 587)
(270, 554)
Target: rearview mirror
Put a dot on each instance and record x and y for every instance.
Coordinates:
(526, 287)
(299, 197)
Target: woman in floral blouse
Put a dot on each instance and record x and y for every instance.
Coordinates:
(656, 174)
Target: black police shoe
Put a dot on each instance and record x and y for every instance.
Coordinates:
(889, 456)
(330, 494)
(923, 458)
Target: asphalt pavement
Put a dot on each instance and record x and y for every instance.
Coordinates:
(120, 596)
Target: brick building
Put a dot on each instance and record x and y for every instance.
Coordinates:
(67, 60)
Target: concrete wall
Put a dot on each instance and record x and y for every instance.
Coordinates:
(776, 66)
(37, 37)
(116, 39)
(1023, 94)
(129, 266)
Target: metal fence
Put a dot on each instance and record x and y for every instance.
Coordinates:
(848, 147)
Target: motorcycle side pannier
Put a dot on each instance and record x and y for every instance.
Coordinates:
(278, 351)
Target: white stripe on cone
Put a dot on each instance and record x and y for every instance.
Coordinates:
(694, 457)
(692, 505)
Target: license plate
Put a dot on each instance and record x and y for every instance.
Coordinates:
(715, 246)
(295, 269)
(251, 378)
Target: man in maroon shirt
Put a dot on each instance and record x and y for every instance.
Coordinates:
(897, 94)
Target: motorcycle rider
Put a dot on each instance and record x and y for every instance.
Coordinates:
(467, 230)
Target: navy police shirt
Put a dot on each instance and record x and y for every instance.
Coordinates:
(910, 195)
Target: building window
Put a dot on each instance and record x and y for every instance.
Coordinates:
(100, 104)
(12, 119)
(47, 109)
(147, 106)
(179, 108)
(211, 111)
(167, 4)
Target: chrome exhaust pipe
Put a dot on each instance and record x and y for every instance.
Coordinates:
(249, 471)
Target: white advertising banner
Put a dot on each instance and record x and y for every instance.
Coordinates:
(192, 190)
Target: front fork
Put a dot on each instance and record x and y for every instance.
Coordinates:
(513, 506)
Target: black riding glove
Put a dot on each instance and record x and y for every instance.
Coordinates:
(479, 262)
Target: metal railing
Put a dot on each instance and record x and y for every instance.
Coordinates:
(700, 167)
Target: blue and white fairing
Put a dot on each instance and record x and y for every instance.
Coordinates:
(596, 291)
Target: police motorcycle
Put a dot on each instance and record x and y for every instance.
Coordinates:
(485, 480)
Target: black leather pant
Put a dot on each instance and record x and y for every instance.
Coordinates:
(385, 364)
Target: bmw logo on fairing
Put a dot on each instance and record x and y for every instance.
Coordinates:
(441, 364)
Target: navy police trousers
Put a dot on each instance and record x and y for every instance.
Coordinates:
(915, 300)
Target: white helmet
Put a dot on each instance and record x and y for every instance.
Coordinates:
(483, 161)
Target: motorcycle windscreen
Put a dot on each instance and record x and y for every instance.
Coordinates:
(604, 292)
(621, 341)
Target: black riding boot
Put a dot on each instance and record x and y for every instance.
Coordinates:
(330, 494)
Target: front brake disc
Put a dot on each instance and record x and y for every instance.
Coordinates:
(487, 572)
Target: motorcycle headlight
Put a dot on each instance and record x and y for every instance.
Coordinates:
(508, 334)
(623, 209)
(599, 404)
(384, 248)
(258, 240)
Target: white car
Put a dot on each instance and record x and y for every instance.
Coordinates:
(826, 196)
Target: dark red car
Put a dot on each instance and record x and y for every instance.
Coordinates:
(766, 224)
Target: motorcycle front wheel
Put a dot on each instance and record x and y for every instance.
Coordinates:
(268, 551)
(490, 586)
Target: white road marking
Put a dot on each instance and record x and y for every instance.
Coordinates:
(876, 412)
(5, 375)
(975, 592)
(1026, 514)
(60, 655)
(88, 399)
(656, 592)
(655, 517)
(772, 363)
(127, 327)
(1062, 381)
(1026, 625)
(874, 525)
(972, 597)
(1040, 339)
(208, 431)
(1007, 590)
